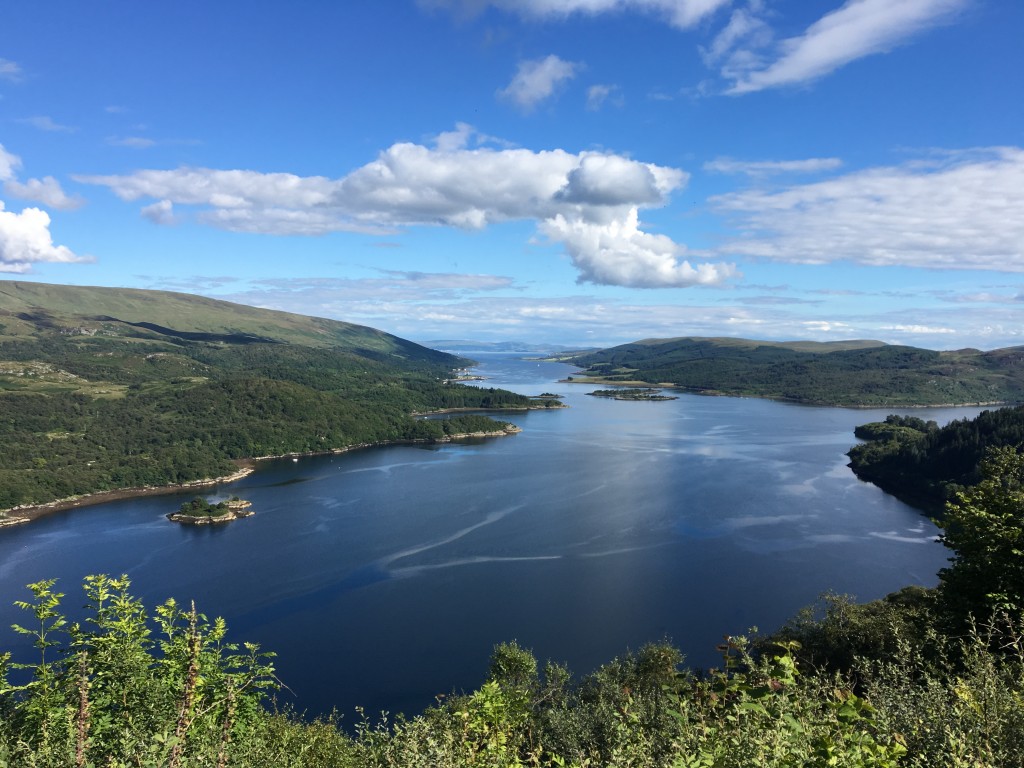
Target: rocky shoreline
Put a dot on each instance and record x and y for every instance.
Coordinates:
(29, 512)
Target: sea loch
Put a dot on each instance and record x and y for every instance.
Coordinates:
(383, 577)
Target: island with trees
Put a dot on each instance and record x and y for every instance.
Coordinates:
(199, 511)
(632, 393)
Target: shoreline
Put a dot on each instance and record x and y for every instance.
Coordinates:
(598, 381)
(29, 512)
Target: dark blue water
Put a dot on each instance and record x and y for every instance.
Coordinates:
(385, 576)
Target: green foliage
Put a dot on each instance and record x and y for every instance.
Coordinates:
(118, 689)
(985, 529)
(123, 688)
(833, 634)
(200, 507)
(955, 702)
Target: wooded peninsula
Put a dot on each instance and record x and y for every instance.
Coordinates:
(856, 373)
(107, 389)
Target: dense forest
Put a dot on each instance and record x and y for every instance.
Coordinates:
(925, 465)
(89, 403)
(854, 373)
(922, 678)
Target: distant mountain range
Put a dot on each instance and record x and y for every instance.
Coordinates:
(847, 373)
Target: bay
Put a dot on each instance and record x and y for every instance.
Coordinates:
(384, 577)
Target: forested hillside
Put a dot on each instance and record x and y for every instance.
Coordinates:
(89, 403)
(925, 465)
(851, 373)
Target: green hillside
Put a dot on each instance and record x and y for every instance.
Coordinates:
(104, 389)
(26, 309)
(849, 373)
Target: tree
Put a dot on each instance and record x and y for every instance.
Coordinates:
(985, 529)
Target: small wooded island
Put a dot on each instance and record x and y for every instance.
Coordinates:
(644, 393)
(201, 512)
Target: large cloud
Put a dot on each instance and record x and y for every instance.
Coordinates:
(619, 253)
(587, 201)
(960, 210)
(857, 29)
(25, 240)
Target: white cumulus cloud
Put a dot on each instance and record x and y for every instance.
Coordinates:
(25, 240)
(620, 253)
(537, 80)
(859, 28)
(955, 210)
(589, 202)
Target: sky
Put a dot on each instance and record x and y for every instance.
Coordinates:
(575, 172)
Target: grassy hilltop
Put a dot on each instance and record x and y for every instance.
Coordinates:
(29, 309)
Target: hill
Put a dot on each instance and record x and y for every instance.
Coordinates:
(104, 389)
(27, 309)
(847, 373)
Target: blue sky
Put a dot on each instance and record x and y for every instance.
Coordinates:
(583, 172)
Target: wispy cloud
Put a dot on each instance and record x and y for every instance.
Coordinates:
(47, 190)
(929, 330)
(600, 94)
(9, 164)
(769, 167)
(46, 123)
(859, 28)
(954, 210)
(145, 142)
(135, 142)
(589, 202)
(680, 13)
(537, 80)
(10, 71)
(430, 310)
(161, 212)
